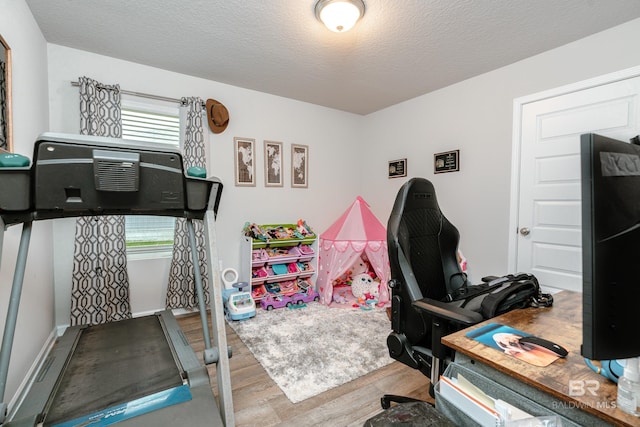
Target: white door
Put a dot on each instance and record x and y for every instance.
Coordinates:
(547, 235)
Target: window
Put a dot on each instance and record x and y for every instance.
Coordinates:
(148, 235)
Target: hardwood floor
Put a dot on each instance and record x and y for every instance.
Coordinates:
(258, 401)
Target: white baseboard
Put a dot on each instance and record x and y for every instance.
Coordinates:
(25, 385)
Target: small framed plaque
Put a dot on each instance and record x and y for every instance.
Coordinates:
(398, 168)
(449, 161)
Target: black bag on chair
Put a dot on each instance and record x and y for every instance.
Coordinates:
(498, 295)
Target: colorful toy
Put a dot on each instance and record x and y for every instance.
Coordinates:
(238, 303)
(281, 232)
(361, 266)
(269, 302)
(340, 293)
(288, 287)
(273, 288)
(258, 292)
(303, 229)
(255, 232)
(305, 296)
(363, 284)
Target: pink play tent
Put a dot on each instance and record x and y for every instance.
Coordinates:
(357, 231)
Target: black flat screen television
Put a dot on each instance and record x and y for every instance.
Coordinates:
(610, 248)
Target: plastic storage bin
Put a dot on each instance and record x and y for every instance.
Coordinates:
(282, 255)
(306, 253)
(259, 257)
(496, 391)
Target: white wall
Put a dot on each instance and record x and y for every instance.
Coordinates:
(475, 116)
(30, 117)
(332, 137)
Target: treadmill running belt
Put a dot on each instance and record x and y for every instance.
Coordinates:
(114, 363)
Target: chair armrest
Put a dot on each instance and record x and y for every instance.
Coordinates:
(448, 311)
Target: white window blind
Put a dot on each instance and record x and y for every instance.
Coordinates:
(139, 125)
(150, 123)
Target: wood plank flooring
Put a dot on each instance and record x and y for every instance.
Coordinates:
(258, 401)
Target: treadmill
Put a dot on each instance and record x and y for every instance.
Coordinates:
(133, 372)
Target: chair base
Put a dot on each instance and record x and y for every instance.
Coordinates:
(410, 413)
(387, 399)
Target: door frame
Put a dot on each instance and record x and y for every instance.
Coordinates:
(518, 106)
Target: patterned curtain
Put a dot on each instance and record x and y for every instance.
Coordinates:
(181, 291)
(100, 287)
(4, 144)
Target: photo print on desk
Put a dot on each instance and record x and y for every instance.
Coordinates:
(507, 340)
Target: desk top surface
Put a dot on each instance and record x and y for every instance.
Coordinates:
(561, 324)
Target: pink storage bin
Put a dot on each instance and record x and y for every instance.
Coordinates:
(282, 255)
(288, 287)
(259, 257)
(305, 270)
(258, 292)
(259, 275)
(306, 253)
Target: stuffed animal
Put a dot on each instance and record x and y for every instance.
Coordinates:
(363, 284)
(339, 298)
(359, 267)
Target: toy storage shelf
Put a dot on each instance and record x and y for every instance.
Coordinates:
(276, 266)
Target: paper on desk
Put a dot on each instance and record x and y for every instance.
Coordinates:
(505, 409)
(510, 412)
(496, 408)
(482, 414)
(474, 391)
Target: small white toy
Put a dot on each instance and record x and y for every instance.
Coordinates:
(238, 303)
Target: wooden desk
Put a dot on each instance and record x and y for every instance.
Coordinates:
(561, 324)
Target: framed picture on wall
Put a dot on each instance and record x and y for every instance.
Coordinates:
(273, 164)
(397, 168)
(299, 166)
(244, 164)
(448, 161)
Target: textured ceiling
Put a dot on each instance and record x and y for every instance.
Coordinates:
(399, 50)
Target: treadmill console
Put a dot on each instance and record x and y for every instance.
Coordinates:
(74, 175)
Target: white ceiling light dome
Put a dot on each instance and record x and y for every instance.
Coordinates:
(339, 15)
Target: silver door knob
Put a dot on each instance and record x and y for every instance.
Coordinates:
(525, 231)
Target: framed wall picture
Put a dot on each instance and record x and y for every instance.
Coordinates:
(299, 166)
(244, 164)
(397, 168)
(273, 164)
(449, 161)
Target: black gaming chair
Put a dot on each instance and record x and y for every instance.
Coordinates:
(425, 273)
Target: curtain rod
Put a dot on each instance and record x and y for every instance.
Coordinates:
(144, 95)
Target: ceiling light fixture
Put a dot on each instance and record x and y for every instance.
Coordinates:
(339, 15)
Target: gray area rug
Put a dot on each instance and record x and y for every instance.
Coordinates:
(309, 350)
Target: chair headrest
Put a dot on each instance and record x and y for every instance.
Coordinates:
(416, 194)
